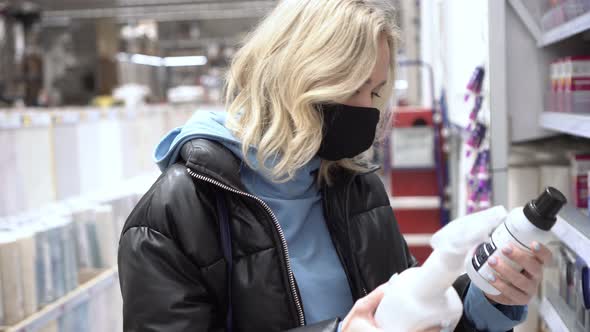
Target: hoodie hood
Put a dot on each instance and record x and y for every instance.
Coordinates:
(211, 125)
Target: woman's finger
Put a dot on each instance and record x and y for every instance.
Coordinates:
(542, 253)
(517, 279)
(369, 303)
(515, 295)
(528, 262)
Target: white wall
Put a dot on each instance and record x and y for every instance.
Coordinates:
(454, 41)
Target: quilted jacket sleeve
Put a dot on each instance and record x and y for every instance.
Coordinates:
(160, 286)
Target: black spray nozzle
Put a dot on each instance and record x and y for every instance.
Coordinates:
(542, 211)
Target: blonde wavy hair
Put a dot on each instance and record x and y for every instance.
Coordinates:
(305, 53)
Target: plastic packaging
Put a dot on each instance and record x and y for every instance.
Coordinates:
(423, 297)
(521, 227)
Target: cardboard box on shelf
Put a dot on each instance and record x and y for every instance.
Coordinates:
(570, 85)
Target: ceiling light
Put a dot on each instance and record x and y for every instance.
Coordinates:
(181, 61)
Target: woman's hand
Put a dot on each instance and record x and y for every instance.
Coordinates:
(519, 288)
(361, 317)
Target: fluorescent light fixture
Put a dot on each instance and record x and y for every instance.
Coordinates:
(149, 60)
(174, 61)
(401, 84)
(181, 61)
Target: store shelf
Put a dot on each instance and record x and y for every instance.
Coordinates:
(573, 229)
(415, 202)
(552, 317)
(567, 123)
(418, 239)
(414, 168)
(566, 30)
(67, 303)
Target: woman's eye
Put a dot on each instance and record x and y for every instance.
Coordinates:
(375, 94)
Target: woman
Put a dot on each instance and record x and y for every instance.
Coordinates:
(310, 233)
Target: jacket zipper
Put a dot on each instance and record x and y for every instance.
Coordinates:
(275, 221)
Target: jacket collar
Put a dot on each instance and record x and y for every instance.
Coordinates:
(212, 159)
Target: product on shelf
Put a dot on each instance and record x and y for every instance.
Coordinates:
(580, 164)
(29, 270)
(479, 186)
(84, 149)
(558, 12)
(11, 190)
(570, 85)
(44, 253)
(107, 235)
(557, 86)
(110, 155)
(577, 84)
(556, 176)
(55, 257)
(523, 183)
(476, 146)
(566, 286)
(475, 83)
(582, 290)
(11, 277)
(32, 145)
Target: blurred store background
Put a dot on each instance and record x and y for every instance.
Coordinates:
(87, 88)
(492, 105)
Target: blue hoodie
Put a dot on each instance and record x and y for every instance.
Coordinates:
(297, 204)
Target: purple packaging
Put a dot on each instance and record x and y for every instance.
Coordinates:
(475, 138)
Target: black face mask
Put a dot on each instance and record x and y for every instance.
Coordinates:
(348, 130)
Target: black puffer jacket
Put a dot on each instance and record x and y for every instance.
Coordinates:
(173, 272)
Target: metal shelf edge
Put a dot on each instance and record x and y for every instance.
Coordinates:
(551, 317)
(418, 239)
(415, 202)
(573, 124)
(67, 302)
(570, 229)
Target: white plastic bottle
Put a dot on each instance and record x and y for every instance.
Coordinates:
(423, 297)
(522, 226)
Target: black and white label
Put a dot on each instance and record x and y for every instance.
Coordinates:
(482, 253)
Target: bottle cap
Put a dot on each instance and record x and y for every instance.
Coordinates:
(542, 211)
